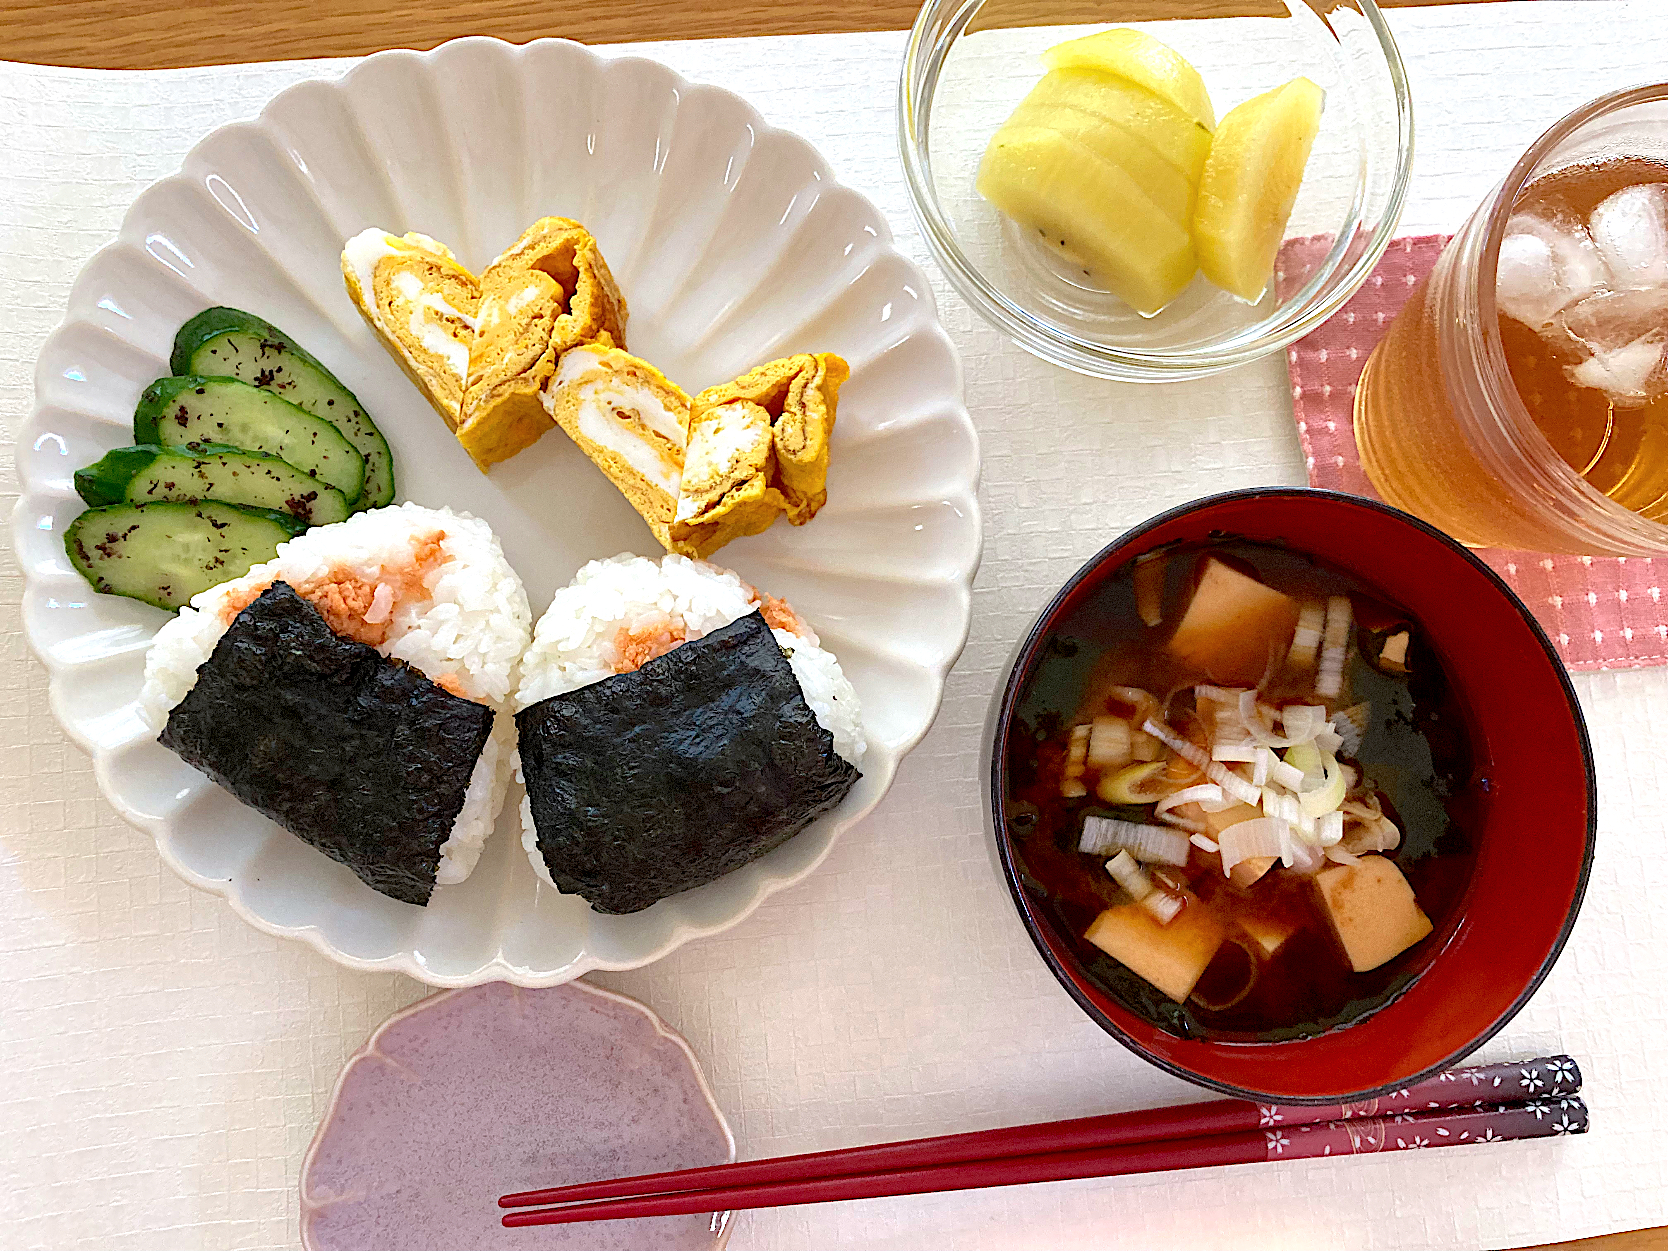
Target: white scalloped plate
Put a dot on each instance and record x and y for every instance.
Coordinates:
(733, 244)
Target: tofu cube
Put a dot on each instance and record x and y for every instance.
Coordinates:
(1245, 872)
(1172, 957)
(1216, 822)
(1232, 624)
(1269, 935)
(1393, 656)
(1372, 910)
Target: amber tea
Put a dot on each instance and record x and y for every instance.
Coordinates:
(1541, 422)
(1582, 293)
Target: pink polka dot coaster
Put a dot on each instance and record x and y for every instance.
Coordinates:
(1600, 612)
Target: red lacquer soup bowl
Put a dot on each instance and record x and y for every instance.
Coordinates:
(1533, 842)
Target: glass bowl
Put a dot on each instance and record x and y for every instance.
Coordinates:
(1495, 945)
(969, 62)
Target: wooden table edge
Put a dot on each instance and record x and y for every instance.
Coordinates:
(148, 34)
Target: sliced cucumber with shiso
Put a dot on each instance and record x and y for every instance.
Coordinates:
(234, 475)
(182, 412)
(165, 553)
(229, 343)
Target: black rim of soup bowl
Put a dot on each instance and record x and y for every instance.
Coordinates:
(1101, 564)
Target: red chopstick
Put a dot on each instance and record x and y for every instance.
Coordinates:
(1538, 1119)
(1493, 1083)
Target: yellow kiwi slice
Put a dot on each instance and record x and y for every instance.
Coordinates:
(1143, 60)
(1165, 185)
(1091, 209)
(1250, 183)
(1161, 125)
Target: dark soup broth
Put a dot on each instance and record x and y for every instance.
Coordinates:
(1242, 782)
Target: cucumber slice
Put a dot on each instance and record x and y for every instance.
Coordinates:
(229, 343)
(180, 412)
(165, 553)
(105, 482)
(233, 475)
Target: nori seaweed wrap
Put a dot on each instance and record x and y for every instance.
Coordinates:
(659, 780)
(359, 755)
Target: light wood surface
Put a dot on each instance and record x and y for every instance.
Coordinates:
(154, 34)
(1639, 1240)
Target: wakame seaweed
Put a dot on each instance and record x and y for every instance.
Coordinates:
(359, 755)
(653, 782)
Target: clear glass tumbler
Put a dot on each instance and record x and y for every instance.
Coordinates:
(1442, 429)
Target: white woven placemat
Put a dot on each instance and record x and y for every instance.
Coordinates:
(162, 1065)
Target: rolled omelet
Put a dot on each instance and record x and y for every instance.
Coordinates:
(539, 340)
(809, 390)
(800, 394)
(727, 487)
(548, 293)
(422, 304)
(758, 449)
(630, 419)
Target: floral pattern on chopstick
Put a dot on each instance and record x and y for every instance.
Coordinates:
(1539, 1118)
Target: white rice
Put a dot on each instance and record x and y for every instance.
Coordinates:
(574, 642)
(471, 621)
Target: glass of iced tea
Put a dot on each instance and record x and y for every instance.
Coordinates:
(1520, 399)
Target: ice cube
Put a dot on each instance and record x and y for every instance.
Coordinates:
(1625, 374)
(1524, 285)
(1609, 320)
(1630, 230)
(1544, 268)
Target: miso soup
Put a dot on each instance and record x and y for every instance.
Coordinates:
(1241, 780)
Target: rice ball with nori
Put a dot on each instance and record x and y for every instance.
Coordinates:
(674, 725)
(334, 682)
